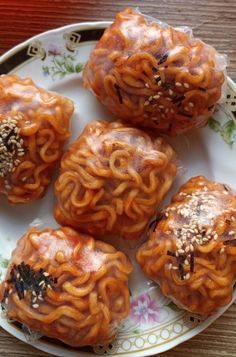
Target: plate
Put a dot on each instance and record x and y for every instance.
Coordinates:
(54, 60)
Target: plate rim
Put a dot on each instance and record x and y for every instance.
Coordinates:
(42, 345)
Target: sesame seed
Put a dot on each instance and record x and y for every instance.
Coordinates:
(167, 110)
(35, 306)
(231, 233)
(160, 93)
(175, 268)
(186, 109)
(157, 96)
(11, 145)
(169, 99)
(170, 266)
(178, 84)
(171, 92)
(222, 250)
(6, 301)
(172, 110)
(150, 98)
(187, 276)
(186, 85)
(46, 274)
(190, 104)
(146, 85)
(156, 76)
(159, 83)
(187, 249)
(146, 103)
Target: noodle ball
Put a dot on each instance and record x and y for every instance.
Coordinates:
(191, 253)
(111, 180)
(150, 74)
(34, 126)
(67, 286)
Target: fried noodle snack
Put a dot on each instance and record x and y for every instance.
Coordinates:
(34, 126)
(191, 253)
(148, 73)
(112, 179)
(68, 286)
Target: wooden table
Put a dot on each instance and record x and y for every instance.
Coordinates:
(214, 21)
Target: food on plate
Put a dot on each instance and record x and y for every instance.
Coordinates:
(67, 286)
(151, 74)
(191, 252)
(111, 180)
(34, 126)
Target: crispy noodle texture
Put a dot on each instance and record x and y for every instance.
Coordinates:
(112, 179)
(204, 284)
(90, 299)
(150, 74)
(43, 119)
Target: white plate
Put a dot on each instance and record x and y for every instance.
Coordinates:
(208, 151)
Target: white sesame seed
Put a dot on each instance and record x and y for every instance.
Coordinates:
(150, 98)
(222, 250)
(187, 276)
(35, 306)
(160, 93)
(157, 96)
(175, 268)
(186, 109)
(231, 233)
(146, 102)
(190, 104)
(186, 85)
(146, 85)
(46, 273)
(156, 76)
(171, 92)
(178, 84)
(159, 83)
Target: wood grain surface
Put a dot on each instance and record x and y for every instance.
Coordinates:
(214, 21)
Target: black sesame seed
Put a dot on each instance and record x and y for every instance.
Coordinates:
(24, 279)
(163, 59)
